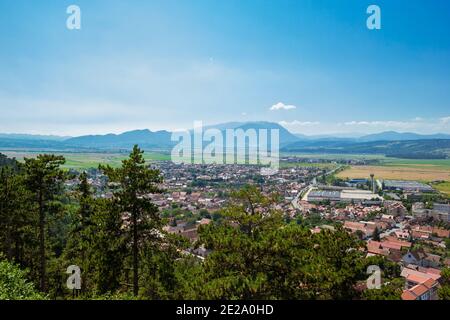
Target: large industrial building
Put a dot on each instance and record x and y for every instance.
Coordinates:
(337, 194)
(408, 186)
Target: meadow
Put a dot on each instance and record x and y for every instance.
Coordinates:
(83, 161)
(443, 187)
(326, 166)
(334, 156)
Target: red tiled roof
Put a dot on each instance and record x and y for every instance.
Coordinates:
(430, 283)
(433, 271)
(372, 244)
(417, 278)
(442, 233)
(419, 290)
(391, 245)
(402, 243)
(407, 295)
(424, 275)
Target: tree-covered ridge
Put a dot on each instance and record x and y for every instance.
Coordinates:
(124, 252)
(7, 162)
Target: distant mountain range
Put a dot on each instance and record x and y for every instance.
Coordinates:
(21, 136)
(144, 138)
(390, 143)
(382, 136)
(397, 136)
(412, 149)
(285, 136)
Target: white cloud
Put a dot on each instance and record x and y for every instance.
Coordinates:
(418, 125)
(403, 125)
(360, 127)
(445, 120)
(299, 123)
(282, 106)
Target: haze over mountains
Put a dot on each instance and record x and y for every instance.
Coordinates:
(390, 143)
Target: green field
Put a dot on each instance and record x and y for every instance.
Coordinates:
(443, 187)
(308, 164)
(443, 164)
(82, 161)
(334, 156)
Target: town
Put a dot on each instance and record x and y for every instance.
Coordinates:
(406, 222)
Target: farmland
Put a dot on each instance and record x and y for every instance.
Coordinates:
(422, 170)
(326, 166)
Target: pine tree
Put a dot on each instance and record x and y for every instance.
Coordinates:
(376, 234)
(135, 182)
(256, 255)
(11, 217)
(44, 180)
(78, 243)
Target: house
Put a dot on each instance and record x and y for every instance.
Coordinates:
(367, 228)
(388, 219)
(402, 234)
(431, 260)
(393, 242)
(414, 258)
(204, 221)
(395, 208)
(421, 258)
(441, 233)
(418, 234)
(190, 234)
(201, 251)
(422, 291)
(390, 248)
(421, 283)
(415, 275)
(375, 248)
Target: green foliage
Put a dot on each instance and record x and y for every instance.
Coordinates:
(135, 181)
(389, 269)
(391, 290)
(257, 256)
(158, 270)
(114, 296)
(444, 291)
(7, 162)
(44, 181)
(376, 234)
(312, 220)
(99, 248)
(14, 217)
(14, 285)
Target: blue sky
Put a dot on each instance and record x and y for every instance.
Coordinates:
(163, 64)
